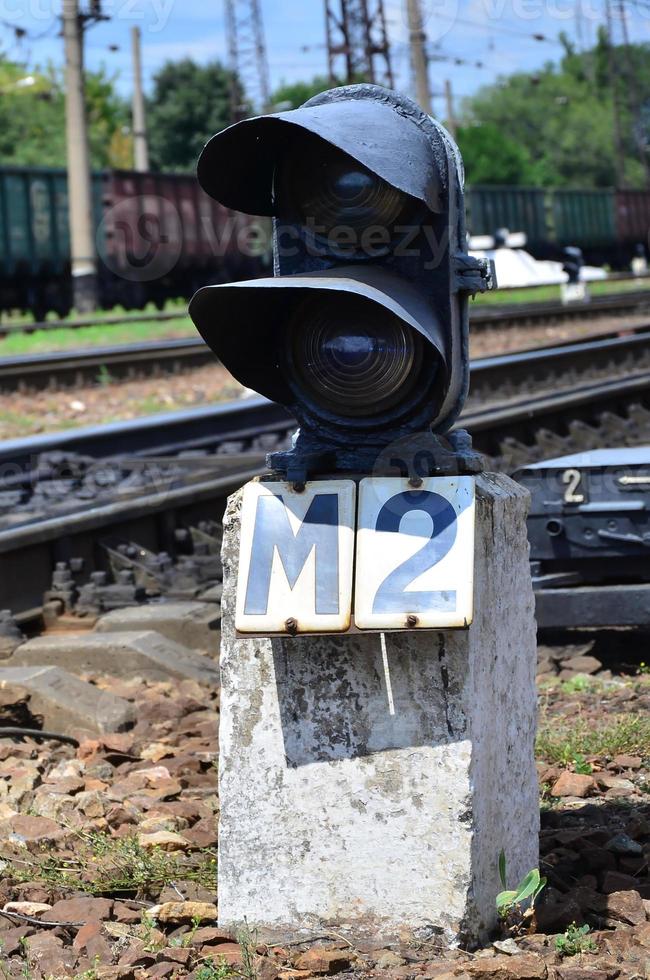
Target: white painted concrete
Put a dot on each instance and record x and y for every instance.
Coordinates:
(367, 785)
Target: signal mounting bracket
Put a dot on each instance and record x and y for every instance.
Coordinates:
(414, 456)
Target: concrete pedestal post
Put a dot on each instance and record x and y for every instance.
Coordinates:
(369, 782)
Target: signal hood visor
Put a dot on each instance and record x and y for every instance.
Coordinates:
(237, 165)
(244, 323)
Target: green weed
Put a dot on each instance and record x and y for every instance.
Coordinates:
(186, 940)
(247, 939)
(539, 294)
(212, 970)
(18, 423)
(102, 335)
(511, 900)
(90, 974)
(171, 306)
(114, 865)
(578, 684)
(581, 766)
(546, 801)
(150, 934)
(575, 940)
(104, 376)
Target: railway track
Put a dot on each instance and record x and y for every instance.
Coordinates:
(62, 369)
(564, 365)
(537, 314)
(62, 494)
(482, 315)
(151, 480)
(562, 362)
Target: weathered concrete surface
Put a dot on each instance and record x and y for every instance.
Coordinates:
(67, 705)
(10, 634)
(373, 795)
(123, 654)
(192, 624)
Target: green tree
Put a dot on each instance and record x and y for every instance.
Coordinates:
(189, 104)
(32, 116)
(490, 157)
(293, 95)
(109, 115)
(562, 117)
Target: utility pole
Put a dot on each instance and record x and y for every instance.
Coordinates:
(449, 103)
(82, 239)
(140, 145)
(358, 48)
(619, 155)
(419, 59)
(249, 67)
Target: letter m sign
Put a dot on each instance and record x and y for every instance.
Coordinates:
(296, 557)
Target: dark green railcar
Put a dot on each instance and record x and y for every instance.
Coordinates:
(35, 237)
(584, 218)
(158, 236)
(517, 208)
(34, 228)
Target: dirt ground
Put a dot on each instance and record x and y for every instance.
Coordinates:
(108, 850)
(29, 413)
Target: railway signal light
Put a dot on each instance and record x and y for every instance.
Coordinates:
(363, 330)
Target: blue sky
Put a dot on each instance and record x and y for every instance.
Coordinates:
(497, 33)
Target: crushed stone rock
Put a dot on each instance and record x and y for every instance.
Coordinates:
(573, 784)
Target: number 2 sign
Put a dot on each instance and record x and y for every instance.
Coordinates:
(413, 550)
(415, 554)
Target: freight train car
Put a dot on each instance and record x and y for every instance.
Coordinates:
(162, 236)
(158, 236)
(517, 208)
(35, 239)
(606, 224)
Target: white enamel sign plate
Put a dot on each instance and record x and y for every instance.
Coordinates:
(296, 557)
(415, 553)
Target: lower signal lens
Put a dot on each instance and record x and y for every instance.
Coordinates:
(351, 357)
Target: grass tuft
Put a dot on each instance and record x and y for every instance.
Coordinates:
(561, 742)
(105, 865)
(102, 335)
(541, 294)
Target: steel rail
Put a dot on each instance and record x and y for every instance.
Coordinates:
(246, 421)
(497, 428)
(482, 314)
(490, 374)
(61, 368)
(537, 313)
(497, 378)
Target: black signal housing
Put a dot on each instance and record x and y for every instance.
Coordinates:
(362, 333)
